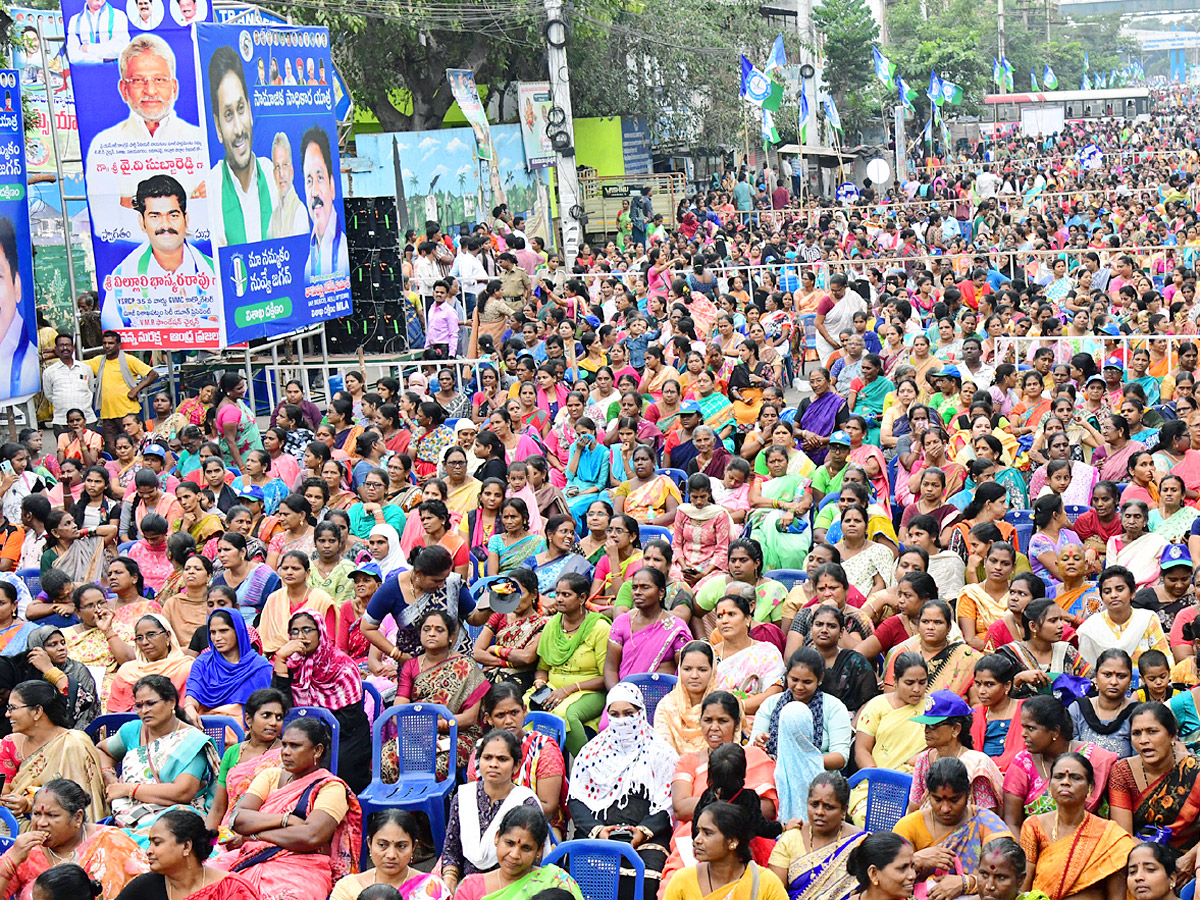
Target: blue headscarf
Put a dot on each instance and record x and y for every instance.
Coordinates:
(798, 763)
(215, 681)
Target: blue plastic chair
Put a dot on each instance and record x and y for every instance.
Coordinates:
(215, 727)
(32, 579)
(654, 686)
(596, 866)
(1019, 517)
(678, 476)
(809, 324)
(124, 548)
(314, 712)
(1024, 534)
(887, 796)
(418, 787)
(1074, 512)
(549, 725)
(369, 690)
(650, 532)
(103, 727)
(1189, 890)
(789, 578)
(10, 822)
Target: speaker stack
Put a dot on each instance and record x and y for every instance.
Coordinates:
(376, 282)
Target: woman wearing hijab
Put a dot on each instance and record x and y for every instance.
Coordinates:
(158, 653)
(225, 675)
(621, 782)
(390, 559)
(313, 672)
(48, 659)
(798, 761)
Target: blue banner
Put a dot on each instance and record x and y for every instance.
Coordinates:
(274, 187)
(134, 78)
(20, 375)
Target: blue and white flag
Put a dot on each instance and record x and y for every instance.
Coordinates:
(778, 58)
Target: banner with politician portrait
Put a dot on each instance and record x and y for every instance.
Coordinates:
(273, 188)
(133, 74)
(20, 374)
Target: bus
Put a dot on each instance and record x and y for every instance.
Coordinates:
(1046, 112)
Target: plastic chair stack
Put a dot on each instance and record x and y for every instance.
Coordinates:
(1022, 520)
(596, 866)
(887, 796)
(417, 788)
(654, 686)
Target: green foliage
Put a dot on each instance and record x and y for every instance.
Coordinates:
(847, 32)
(949, 40)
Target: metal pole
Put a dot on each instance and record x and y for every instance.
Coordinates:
(250, 383)
(1000, 26)
(273, 381)
(325, 364)
(560, 92)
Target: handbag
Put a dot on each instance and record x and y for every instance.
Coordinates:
(921, 888)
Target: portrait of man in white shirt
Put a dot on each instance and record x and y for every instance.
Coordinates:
(327, 251)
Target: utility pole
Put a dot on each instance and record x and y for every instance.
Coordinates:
(570, 207)
(1000, 25)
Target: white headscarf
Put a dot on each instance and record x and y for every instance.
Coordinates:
(624, 760)
(394, 561)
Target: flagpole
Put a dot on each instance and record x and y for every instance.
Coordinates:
(746, 134)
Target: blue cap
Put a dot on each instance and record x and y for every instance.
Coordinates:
(1114, 362)
(949, 372)
(155, 450)
(1112, 330)
(592, 320)
(253, 492)
(370, 567)
(840, 437)
(690, 407)
(1175, 556)
(1097, 378)
(942, 705)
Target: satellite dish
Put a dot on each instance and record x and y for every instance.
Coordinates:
(879, 171)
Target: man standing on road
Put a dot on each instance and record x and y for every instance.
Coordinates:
(67, 384)
(641, 211)
(116, 388)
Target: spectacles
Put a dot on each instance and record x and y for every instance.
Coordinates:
(306, 631)
(12, 709)
(143, 638)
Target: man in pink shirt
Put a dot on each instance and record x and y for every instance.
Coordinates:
(526, 258)
(442, 320)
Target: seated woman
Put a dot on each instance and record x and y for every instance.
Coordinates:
(48, 657)
(60, 834)
(294, 596)
(962, 829)
(558, 558)
(199, 523)
(832, 731)
(749, 669)
(649, 498)
(571, 654)
(158, 653)
(1159, 787)
(253, 582)
(647, 638)
(982, 603)
(951, 663)
(1042, 653)
(479, 807)
(701, 533)
(1136, 549)
(440, 675)
(187, 608)
(724, 861)
(263, 718)
(1119, 624)
(621, 781)
(779, 503)
(313, 672)
(886, 736)
(812, 862)
(745, 566)
(300, 824)
(96, 640)
(1068, 848)
(1047, 730)
(506, 648)
(80, 555)
(161, 757)
(224, 676)
(180, 845)
(514, 543)
(43, 745)
(392, 836)
(831, 588)
(1104, 719)
(679, 725)
(947, 721)
(587, 468)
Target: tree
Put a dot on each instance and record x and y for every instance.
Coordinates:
(847, 30)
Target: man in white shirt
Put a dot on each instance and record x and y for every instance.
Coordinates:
(152, 130)
(239, 185)
(19, 372)
(182, 279)
(96, 33)
(987, 185)
(973, 367)
(327, 251)
(67, 384)
(471, 274)
(289, 216)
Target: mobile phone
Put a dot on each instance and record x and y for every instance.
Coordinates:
(6, 467)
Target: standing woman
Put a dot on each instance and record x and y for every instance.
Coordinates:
(233, 421)
(1069, 849)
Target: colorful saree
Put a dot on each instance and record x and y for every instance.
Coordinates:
(820, 417)
(951, 669)
(782, 547)
(1097, 849)
(649, 500)
(540, 878)
(286, 875)
(898, 739)
(511, 556)
(107, 854)
(69, 755)
(239, 775)
(422, 886)
(966, 841)
(717, 411)
(1175, 528)
(427, 450)
(816, 874)
(1172, 801)
(457, 684)
(869, 404)
(1025, 781)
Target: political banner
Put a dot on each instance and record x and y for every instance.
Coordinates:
(134, 80)
(273, 189)
(533, 102)
(30, 28)
(20, 375)
(466, 95)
